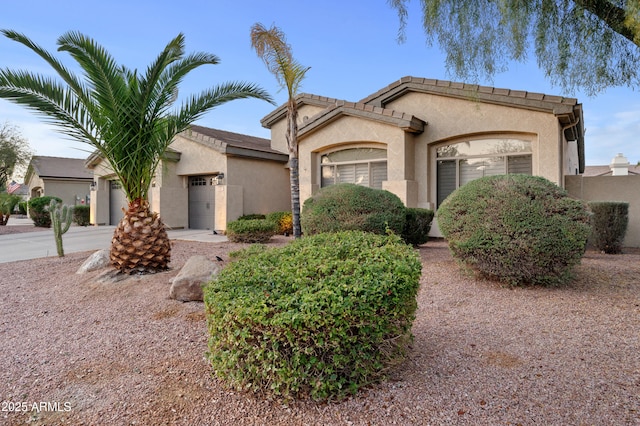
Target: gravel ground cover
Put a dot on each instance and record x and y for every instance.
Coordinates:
(80, 352)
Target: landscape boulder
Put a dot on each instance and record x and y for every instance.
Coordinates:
(187, 285)
(97, 260)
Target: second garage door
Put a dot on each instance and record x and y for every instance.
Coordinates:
(201, 202)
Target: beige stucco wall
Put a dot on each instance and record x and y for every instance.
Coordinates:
(279, 129)
(265, 184)
(249, 186)
(411, 157)
(99, 212)
(451, 118)
(70, 192)
(611, 188)
(197, 159)
(349, 131)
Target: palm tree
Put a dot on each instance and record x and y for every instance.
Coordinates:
(127, 118)
(271, 46)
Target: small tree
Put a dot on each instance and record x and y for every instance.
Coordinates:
(14, 152)
(8, 203)
(271, 46)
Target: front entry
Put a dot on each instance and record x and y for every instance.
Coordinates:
(201, 202)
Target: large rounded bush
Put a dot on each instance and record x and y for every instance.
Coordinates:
(348, 207)
(516, 229)
(319, 317)
(39, 210)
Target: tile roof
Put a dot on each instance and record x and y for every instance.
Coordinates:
(59, 167)
(405, 121)
(230, 143)
(591, 171)
(518, 98)
(301, 99)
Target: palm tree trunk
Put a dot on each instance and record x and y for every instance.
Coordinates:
(294, 180)
(140, 242)
(294, 176)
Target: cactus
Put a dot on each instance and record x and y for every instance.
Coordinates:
(61, 218)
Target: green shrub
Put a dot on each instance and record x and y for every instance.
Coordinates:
(417, 226)
(284, 222)
(81, 215)
(347, 207)
(609, 222)
(22, 207)
(516, 229)
(250, 231)
(39, 210)
(320, 317)
(252, 216)
(8, 202)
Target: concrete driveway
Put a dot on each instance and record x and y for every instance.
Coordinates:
(32, 245)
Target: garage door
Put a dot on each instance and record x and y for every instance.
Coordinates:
(201, 202)
(117, 202)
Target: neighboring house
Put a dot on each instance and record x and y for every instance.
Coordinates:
(618, 181)
(421, 138)
(208, 178)
(65, 178)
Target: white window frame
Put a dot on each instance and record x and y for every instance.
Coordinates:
(335, 165)
(459, 158)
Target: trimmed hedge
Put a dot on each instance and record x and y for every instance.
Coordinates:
(39, 210)
(81, 214)
(516, 229)
(252, 216)
(250, 231)
(609, 221)
(283, 220)
(417, 226)
(320, 317)
(347, 207)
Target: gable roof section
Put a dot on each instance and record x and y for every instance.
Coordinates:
(237, 144)
(301, 99)
(567, 110)
(514, 98)
(406, 122)
(58, 168)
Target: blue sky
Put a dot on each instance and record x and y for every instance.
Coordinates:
(350, 46)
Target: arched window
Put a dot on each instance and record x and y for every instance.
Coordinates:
(462, 162)
(362, 166)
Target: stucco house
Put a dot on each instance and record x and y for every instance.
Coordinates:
(65, 178)
(208, 178)
(422, 138)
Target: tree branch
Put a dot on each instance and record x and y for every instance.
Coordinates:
(611, 15)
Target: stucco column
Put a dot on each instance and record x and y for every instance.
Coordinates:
(229, 205)
(401, 170)
(99, 203)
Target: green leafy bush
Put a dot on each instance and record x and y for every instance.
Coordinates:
(283, 220)
(347, 207)
(81, 215)
(609, 222)
(8, 202)
(22, 207)
(417, 226)
(516, 229)
(39, 210)
(320, 317)
(250, 231)
(252, 216)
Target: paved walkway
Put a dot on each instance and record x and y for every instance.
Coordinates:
(32, 245)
